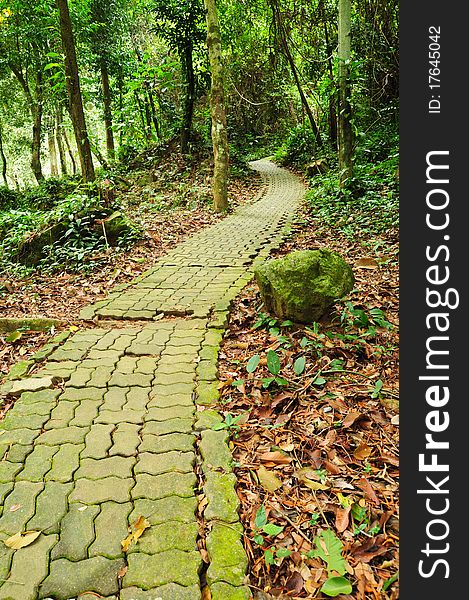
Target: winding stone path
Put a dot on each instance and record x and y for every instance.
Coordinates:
(114, 423)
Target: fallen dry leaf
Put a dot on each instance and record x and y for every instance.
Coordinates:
(367, 263)
(137, 529)
(21, 540)
(268, 480)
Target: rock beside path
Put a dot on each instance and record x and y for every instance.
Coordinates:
(303, 285)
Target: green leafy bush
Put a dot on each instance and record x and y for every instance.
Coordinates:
(298, 149)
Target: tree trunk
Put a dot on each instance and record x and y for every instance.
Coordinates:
(70, 152)
(154, 118)
(35, 106)
(74, 93)
(58, 139)
(218, 111)
(4, 159)
(54, 168)
(332, 97)
(280, 26)
(188, 67)
(110, 146)
(345, 137)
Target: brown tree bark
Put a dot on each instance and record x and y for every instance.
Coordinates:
(106, 88)
(217, 107)
(75, 99)
(54, 167)
(70, 152)
(4, 159)
(35, 105)
(59, 141)
(189, 99)
(345, 131)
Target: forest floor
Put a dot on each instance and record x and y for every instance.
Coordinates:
(314, 451)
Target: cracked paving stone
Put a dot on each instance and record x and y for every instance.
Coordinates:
(38, 463)
(117, 466)
(171, 591)
(98, 441)
(28, 569)
(125, 440)
(85, 413)
(8, 470)
(137, 399)
(41, 396)
(23, 495)
(157, 464)
(76, 532)
(154, 487)
(111, 529)
(173, 412)
(165, 443)
(95, 491)
(168, 400)
(68, 579)
(147, 571)
(123, 416)
(64, 463)
(21, 436)
(130, 380)
(115, 398)
(51, 507)
(15, 453)
(169, 426)
(173, 389)
(172, 535)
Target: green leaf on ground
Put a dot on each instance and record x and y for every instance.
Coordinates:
(334, 586)
(273, 362)
(253, 363)
(299, 365)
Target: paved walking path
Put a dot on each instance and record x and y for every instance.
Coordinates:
(115, 424)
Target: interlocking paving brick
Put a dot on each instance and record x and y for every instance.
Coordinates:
(172, 412)
(111, 529)
(228, 561)
(167, 443)
(23, 500)
(117, 466)
(64, 463)
(169, 426)
(174, 566)
(98, 441)
(171, 591)
(28, 569)
(37, 464)
(65, 435)
(154, 487)
(51, 506)
(96, 491)
(76, 532)
(157, 511)
(223, 502)
(172, 535)
(125, 439)
(68, 579)
(157, 464)
(127, 413)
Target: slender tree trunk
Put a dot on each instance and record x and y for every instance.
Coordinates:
(332, 97)
(35, 108)
(54, 167)
(218, 111)
(4, 159)
(154, 118)
(345, 137)
(188, 67)
(142, 116)
(58, 139)
(70, 152)
(280, 26)
(111, 150)
(74, 92)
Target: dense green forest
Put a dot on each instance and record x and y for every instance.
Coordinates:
(127, 126)
(139, 77)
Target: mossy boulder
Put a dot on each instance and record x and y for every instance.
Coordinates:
(303, 285)
(118, 225)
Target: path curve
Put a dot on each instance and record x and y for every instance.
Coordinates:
(113, 424)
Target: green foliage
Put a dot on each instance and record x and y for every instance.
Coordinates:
(298, 149)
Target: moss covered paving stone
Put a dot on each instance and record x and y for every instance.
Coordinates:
(105, 432)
